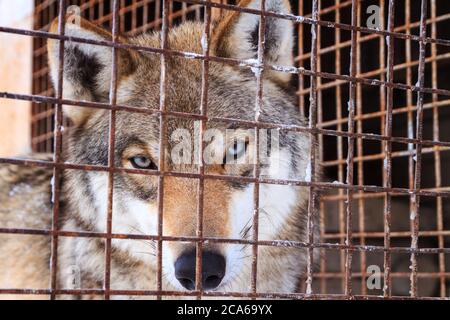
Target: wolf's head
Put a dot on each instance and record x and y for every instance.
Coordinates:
(228, 206)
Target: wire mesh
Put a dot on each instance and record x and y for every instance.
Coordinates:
(379, 133)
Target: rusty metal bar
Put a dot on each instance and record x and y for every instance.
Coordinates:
(316, 129)
(111, 149)
(354, 61)
(268, 243)
(243, 179)
(57, 155)
(301, 80)
(320, 139)
(260, 124)
(393, 234)
(230, 294)
(437, 154)
(360, 147)
(388, 153)
(418, 157)
(259, 103)
(340, 152)
(312, 151)
(205, 41)
(162, 139)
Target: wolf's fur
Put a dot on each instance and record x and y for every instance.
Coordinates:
(25, 203)
(228, 206)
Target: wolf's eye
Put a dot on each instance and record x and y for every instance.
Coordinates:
(142, 162)
(236, 150)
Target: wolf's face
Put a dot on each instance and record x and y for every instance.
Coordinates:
(228, 206)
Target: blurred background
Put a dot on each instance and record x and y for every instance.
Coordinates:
(16, 76)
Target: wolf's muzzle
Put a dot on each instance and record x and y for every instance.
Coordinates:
(213, 270)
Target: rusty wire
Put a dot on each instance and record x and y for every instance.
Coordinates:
(387, 177)
(317, 130)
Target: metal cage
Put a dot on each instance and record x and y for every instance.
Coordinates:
(377, 101)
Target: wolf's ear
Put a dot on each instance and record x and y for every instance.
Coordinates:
(87, 67)
(236, 35)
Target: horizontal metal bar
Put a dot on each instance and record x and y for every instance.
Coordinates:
(268, 295)
(259, 124)
(269, 243)
(300, 183)
(230, 61)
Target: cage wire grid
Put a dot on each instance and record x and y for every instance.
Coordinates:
(346, 81)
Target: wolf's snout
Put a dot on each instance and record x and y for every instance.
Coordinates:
(213, 270)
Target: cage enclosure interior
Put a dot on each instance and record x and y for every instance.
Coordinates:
(357, 121)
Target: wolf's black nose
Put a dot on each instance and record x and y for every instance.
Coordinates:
(213, 270)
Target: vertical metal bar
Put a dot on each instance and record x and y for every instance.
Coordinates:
(312, 152)
(134, 15)
(319, 94)
(37, 21)
(340, 152)
(42, 84)
(122, 16)
(145, 16)
(197, 13)
(201, 169)
(184, 9)
(360, 167)
(101, 9)
(323, 283)
(301, 79)
(48, 125)
(158, 10)
(350, 153)
(111, 149)
(170, 14)
(388, 153)
(437, 154)
(91, 6)
(57, 154)
(419, 130)
(382, 92)
(162, 140)
(45, 127)
(319, 117)
(409, 102)
(256, 167)
(323, 258)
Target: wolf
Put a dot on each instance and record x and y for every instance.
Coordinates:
(228, 206)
